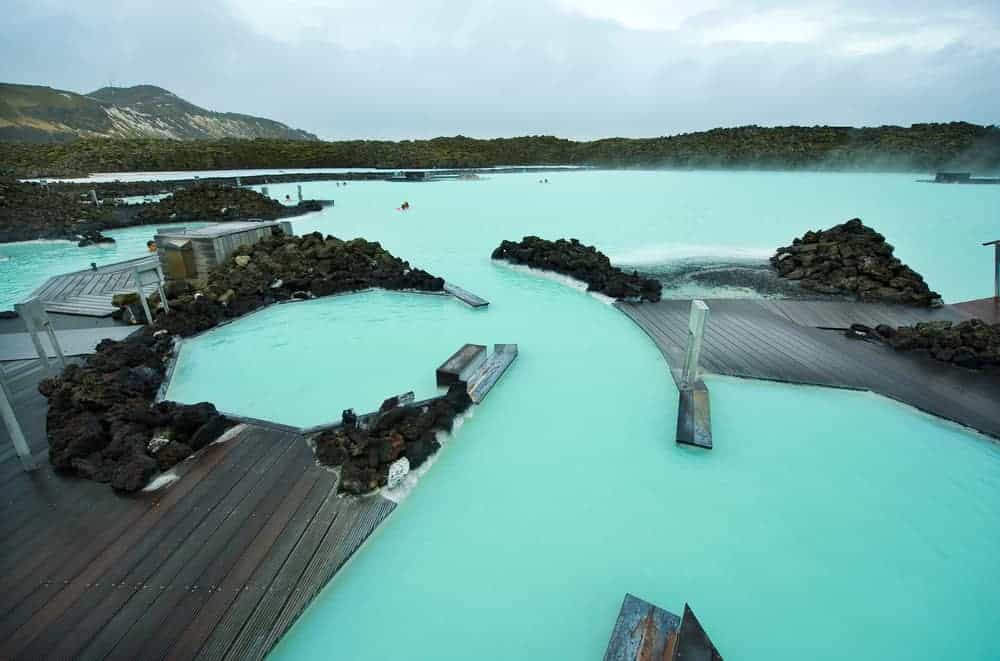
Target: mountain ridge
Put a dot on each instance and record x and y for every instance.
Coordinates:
(41, 114)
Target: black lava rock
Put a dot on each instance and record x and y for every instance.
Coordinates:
(584, 263)
(853, 260)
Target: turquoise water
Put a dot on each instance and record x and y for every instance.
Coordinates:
(822, 520)
(642, 218)
(638, 218)
(24, 266)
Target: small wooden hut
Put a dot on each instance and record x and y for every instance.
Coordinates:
(190, 254)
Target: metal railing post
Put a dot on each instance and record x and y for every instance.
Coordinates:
(996, 270)
(996, 267)
(696, 333)
(32, 311)
(142, 296)
(14, 427)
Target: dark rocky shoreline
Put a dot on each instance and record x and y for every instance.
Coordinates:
(30, 211)
(284, 268)
(102, 421)
(853, 260)
(218, 203)
(364, 448)
(973, 344)
(584, 263)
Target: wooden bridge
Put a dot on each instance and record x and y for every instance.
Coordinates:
(801, 342)
(89, 292)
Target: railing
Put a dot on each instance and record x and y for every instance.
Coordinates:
(996, 267)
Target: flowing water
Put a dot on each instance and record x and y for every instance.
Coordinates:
(823, 521)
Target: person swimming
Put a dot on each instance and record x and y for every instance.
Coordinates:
(405, 206)
(151, 246)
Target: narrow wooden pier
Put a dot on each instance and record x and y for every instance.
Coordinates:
(765, 340)
(465, 296)
(89, 292)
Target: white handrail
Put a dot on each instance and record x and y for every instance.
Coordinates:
(996, 267)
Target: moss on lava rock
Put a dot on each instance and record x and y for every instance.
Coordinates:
(219, 203)
(31, 211)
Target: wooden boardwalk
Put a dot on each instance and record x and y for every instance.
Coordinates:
(757, 339)
(987, 309)
(216, 566)
(73, 342)
(89, 292)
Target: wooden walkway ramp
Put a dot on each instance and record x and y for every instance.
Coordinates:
(89, 292)
(465, 296)
(754, 339)
(216, 565)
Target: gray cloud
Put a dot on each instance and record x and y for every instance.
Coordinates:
(484, 68)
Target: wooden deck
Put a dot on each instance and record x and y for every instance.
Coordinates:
(89, 292)
(987, 309)
(215, 566)
(73, 342)
(757, 339)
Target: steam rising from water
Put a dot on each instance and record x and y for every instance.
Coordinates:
(669, 252)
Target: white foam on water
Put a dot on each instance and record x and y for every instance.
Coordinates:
(400, 493)
(555, 277)
(671, 252)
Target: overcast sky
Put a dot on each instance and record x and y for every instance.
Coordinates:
(573, 68)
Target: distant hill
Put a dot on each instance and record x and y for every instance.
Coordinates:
(32, 113)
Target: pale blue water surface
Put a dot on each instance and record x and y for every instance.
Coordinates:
(823, 521)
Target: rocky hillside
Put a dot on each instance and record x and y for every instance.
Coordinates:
(30, 113)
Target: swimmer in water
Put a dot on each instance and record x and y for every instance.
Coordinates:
(151, 246)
